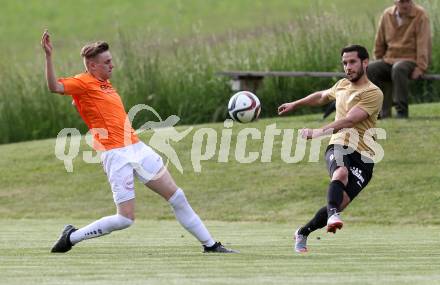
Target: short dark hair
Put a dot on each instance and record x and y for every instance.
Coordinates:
(93, 49)
(361, 51)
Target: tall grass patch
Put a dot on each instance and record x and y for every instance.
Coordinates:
(180, 77)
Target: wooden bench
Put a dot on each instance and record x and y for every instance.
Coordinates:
(251, 80)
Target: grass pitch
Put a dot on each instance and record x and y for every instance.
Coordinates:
(161, 252)
(391, 236)
(404, 188)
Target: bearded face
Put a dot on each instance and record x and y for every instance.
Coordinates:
(354, 67)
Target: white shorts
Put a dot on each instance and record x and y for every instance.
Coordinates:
(122, 164)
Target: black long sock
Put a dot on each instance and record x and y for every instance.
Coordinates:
(335, 196)
(318, 221)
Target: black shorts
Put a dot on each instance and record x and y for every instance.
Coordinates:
(360, 168)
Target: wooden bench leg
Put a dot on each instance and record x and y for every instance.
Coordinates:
(246, 84)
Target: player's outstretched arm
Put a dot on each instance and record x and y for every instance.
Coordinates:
(318, 98)
(354, 116)
(52, 83)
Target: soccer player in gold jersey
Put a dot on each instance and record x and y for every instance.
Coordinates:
(349, 163)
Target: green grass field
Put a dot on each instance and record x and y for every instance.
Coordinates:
(391, 234)
(36, 185)
(167, 54)
(160, 252)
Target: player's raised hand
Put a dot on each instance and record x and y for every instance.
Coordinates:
(286, 107)
(46, 44)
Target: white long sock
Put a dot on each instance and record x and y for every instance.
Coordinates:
(189, 219)
(100, 227)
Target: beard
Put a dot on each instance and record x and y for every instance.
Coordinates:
(357, 76)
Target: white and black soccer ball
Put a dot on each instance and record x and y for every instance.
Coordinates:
(244, 107)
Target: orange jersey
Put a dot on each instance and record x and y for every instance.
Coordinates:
(102, 110)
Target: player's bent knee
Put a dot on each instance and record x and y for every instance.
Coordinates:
(341, 174)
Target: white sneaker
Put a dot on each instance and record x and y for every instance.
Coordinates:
(300, 242)
(334, 223)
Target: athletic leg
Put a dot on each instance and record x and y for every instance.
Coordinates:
(71, 236)
(301, 234)
(336, 195)
(121, 178)
(123, 219)
(150, 169)
(164, 185)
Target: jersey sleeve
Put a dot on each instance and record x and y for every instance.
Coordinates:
(72, 86)
(371, 101)
(331, 93)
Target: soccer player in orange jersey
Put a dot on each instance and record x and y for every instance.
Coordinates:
(123, 156)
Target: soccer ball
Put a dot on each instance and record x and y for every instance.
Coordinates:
(244, 107)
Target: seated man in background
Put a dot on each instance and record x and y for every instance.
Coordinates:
(402, 51)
